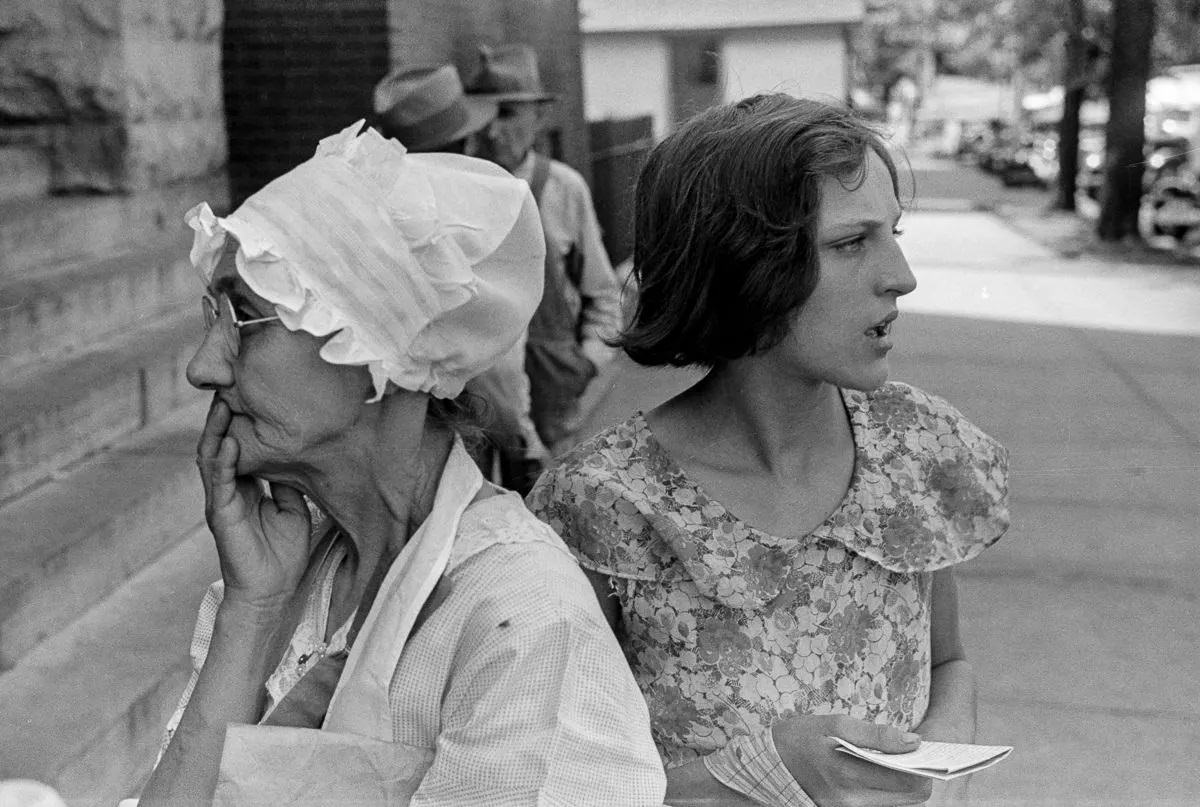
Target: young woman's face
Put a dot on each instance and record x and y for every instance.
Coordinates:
(287, 402)
(841, 334)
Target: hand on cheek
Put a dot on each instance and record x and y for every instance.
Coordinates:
(262, 540)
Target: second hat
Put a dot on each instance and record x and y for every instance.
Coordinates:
(425, 107)
(508, 73)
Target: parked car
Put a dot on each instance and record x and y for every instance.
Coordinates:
(1172, 195)
(976, 139)
(1165, 156)
(998, 146)
(1091, 162)
(987, 143)
(1173, 204)
(1029, 158)
(1043, 158)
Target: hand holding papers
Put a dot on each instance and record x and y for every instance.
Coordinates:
(942, 761)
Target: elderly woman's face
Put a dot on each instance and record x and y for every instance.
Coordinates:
(288, 403)
(841, 334)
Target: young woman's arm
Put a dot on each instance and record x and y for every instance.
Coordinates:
(951, 714)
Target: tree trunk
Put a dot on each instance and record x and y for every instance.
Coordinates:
(1125, 135)
(1075, 81)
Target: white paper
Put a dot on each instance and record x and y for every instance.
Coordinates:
(275, 765)
(936, 760)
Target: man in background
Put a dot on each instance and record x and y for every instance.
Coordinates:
(581, 305)
(426, 109)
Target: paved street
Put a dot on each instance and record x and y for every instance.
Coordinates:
(1084, 622)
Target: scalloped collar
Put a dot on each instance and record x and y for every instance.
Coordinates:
(894, 512)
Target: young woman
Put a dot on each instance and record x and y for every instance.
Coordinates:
(774, 545)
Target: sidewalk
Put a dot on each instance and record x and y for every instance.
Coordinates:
(945, 185)
(1073, 235)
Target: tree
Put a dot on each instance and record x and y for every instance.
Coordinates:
(1125, 135)
(992, 39)
(1177, 40)
(891, 44)
(1075, 81)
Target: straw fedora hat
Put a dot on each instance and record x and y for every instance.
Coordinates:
(508, 73)
(426, 108)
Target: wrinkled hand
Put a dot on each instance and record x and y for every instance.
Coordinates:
(834, 779)
(262, 541)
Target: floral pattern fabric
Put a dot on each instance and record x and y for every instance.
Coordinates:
(728, 628)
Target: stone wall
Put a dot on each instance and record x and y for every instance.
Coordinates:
(121, 94)
(111, 126)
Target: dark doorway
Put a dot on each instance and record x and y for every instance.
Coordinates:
(295, 73)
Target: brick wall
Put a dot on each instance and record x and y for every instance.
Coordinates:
(439, 31)
(295, 72)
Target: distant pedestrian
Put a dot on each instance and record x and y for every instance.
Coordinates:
(581, 304)
(774, 545)
(426, 109)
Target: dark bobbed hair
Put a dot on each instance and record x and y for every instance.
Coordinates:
(725, 217)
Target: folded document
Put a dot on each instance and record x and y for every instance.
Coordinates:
(935, 760)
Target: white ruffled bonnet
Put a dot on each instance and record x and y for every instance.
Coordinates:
(427, 267)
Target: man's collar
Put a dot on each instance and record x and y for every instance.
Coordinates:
(525, 169)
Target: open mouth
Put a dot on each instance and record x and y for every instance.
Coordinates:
(883, 327)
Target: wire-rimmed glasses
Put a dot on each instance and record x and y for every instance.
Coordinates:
(220, 312)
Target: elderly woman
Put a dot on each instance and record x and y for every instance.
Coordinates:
(426, 639)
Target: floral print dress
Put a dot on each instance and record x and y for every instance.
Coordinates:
(728, 628)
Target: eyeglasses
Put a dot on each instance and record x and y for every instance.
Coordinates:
(220, 312)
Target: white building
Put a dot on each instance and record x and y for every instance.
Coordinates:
(671, 58)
